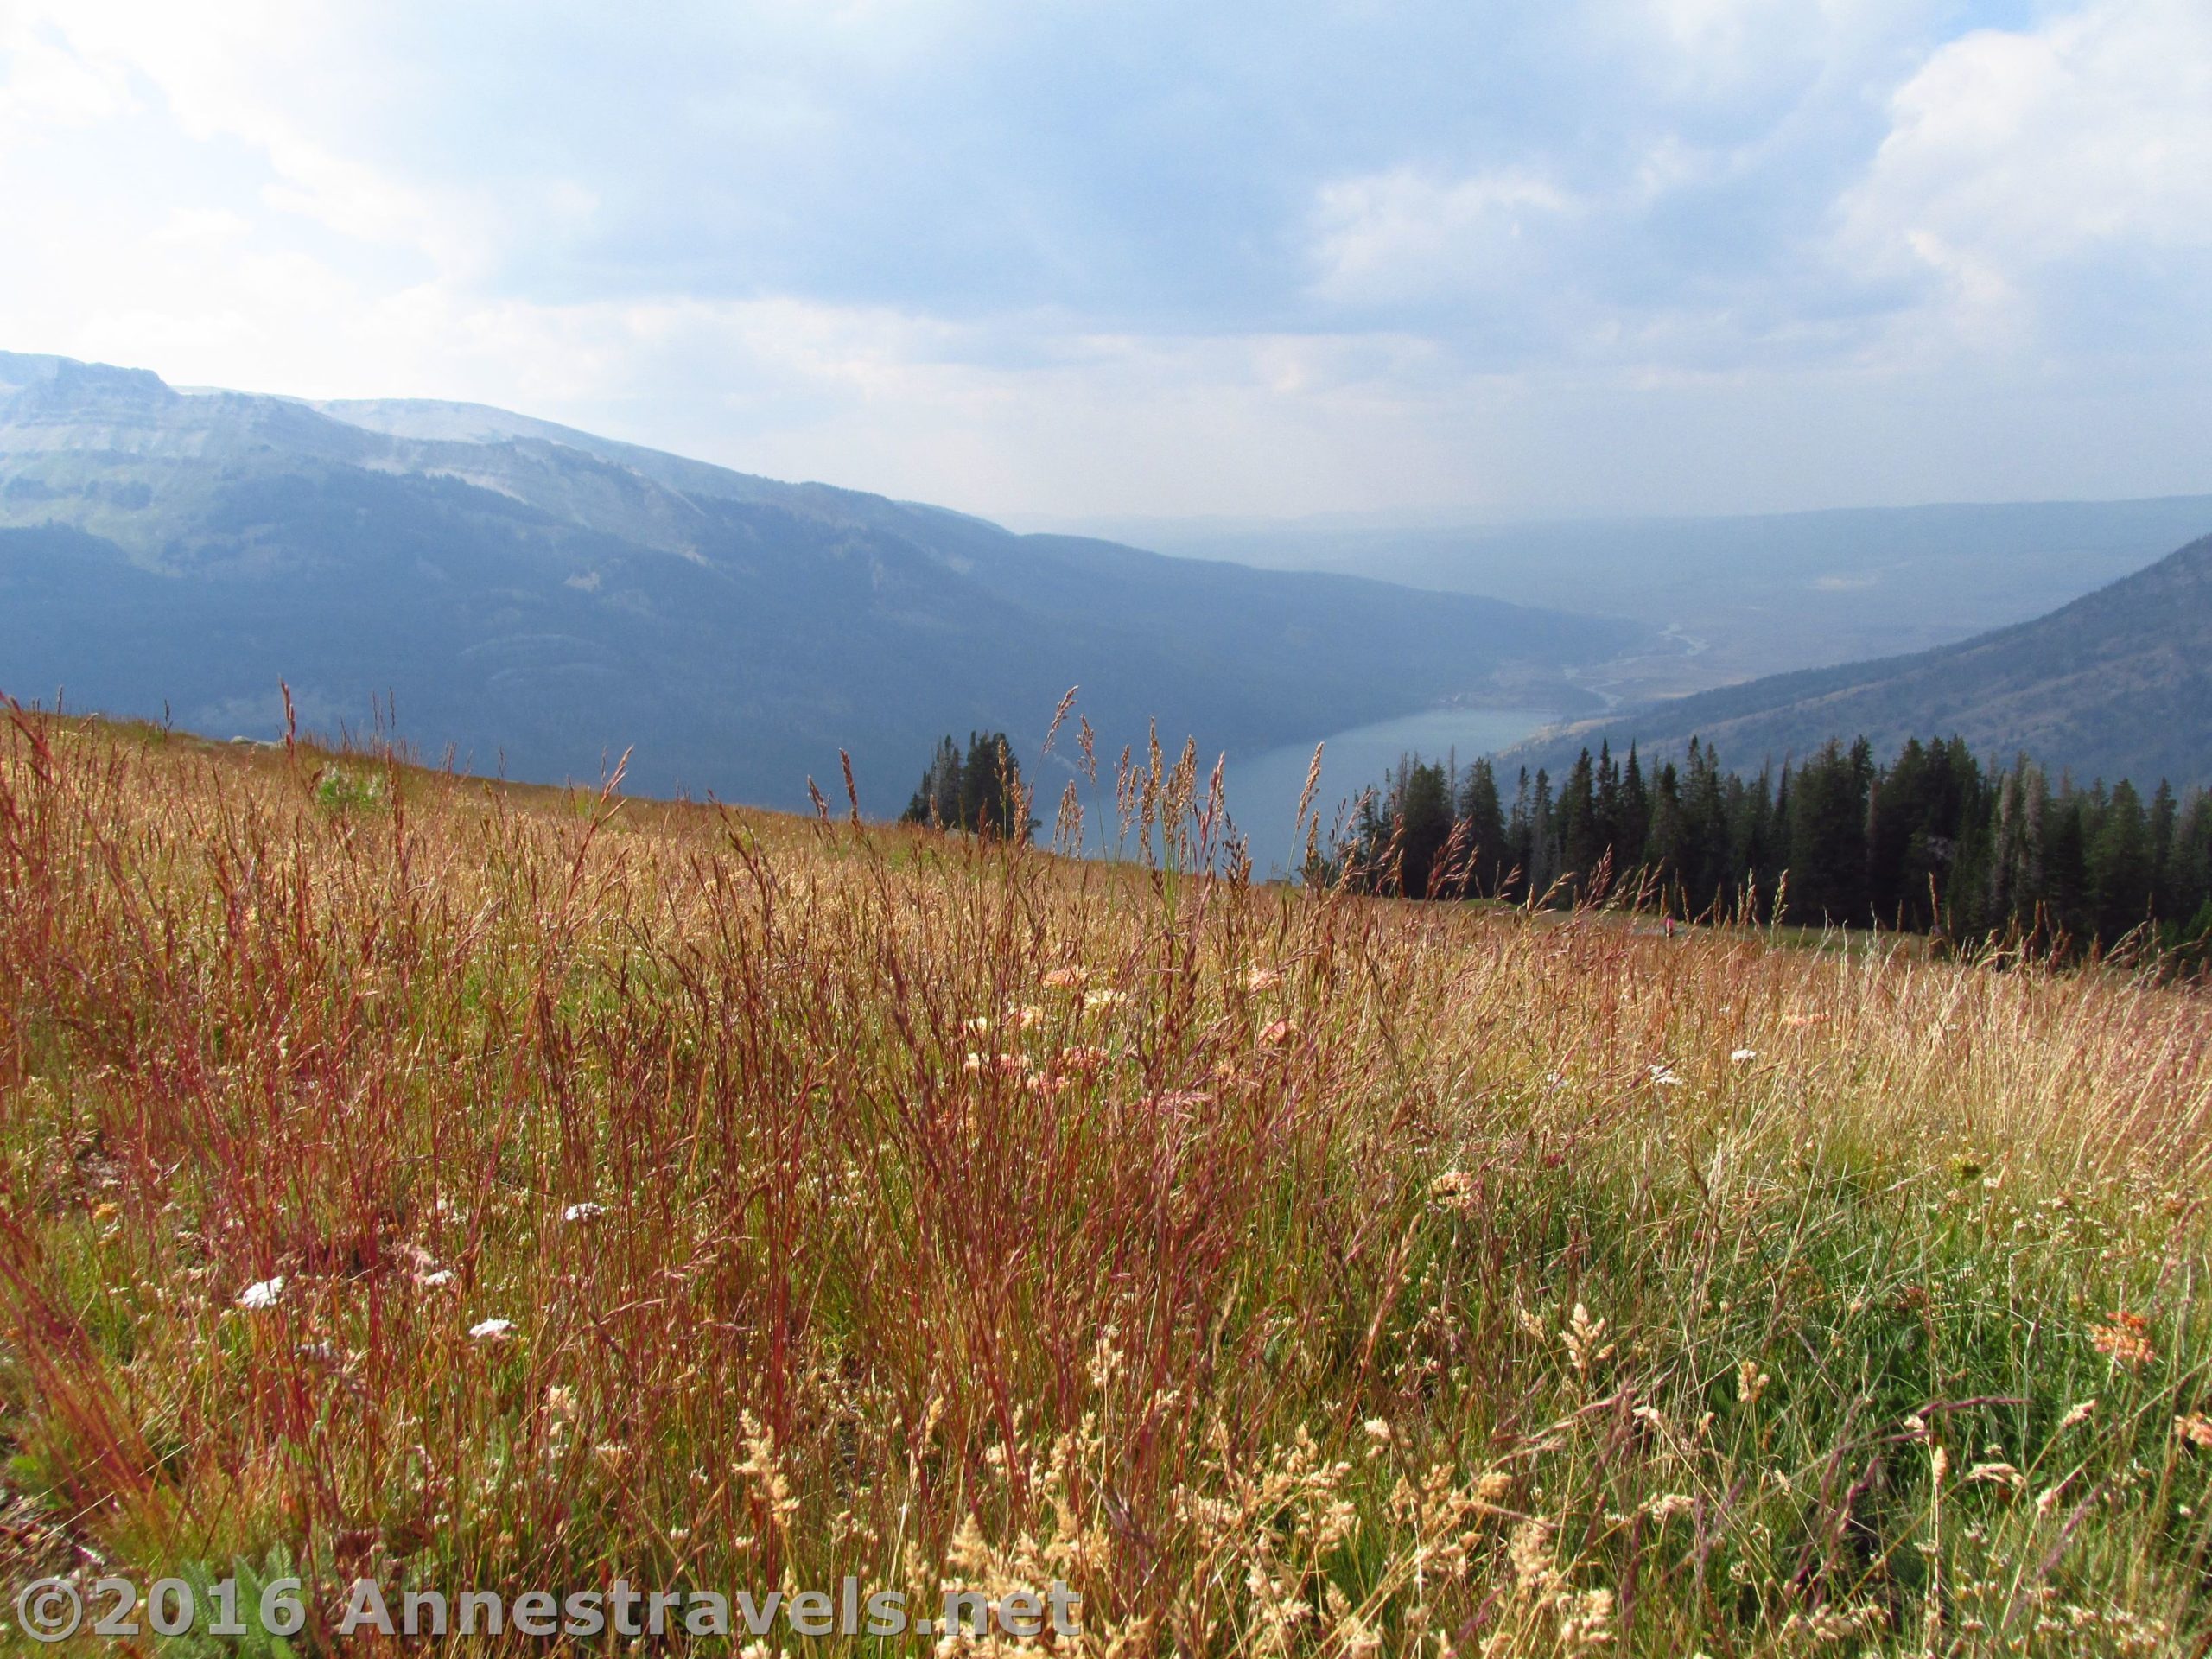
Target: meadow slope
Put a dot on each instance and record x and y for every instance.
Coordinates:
(718, 1199)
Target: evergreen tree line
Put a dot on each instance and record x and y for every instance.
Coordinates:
(1934, 842)
(981, 793)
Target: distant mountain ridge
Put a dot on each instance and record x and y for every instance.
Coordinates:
(1748, 595)
(542, 598)
(2116, 684)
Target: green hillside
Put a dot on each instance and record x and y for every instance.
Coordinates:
(2118, 683)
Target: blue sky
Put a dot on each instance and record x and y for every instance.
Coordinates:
(1051, 260)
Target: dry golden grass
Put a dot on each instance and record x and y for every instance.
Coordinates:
(1289, 1273)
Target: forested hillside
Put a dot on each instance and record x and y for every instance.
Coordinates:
(2116, 684)
(1932, 842)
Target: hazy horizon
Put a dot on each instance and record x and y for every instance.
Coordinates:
(1181, 531)
(1202, 527)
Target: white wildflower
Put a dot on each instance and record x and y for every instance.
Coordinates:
(490, 1330)
(263, 1294)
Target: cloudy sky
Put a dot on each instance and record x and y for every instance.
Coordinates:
(1044, 259)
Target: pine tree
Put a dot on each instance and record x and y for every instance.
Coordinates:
(2123, 870)
(1579, 836)
(981, 793)
(1757, 861)
(2188, 865)
(1666, 844)
(2166, 813)
(2063, 891)
(1827, 840)
(1543, 849)
(1635, 827)
(1606, 813)
(1480, 809)
(1520, 838)
(1424, 826)
(937, 801)
(1892, 816)
(1932, 842)
(1705, 811)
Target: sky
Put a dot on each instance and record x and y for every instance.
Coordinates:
(1053, 260)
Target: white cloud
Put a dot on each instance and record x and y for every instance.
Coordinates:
(47, 85)
(1403, 235)
(1700, 51)
(1725, 26)
(779, 235)
(2011, 152)
(288, 78)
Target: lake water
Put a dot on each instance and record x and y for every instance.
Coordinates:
(1263, 789)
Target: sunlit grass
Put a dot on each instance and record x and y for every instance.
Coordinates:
(718, 1199)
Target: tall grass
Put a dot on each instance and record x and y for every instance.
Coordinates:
(1289, 1273)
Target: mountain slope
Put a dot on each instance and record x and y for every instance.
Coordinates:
(542, 599)
(2118, 683)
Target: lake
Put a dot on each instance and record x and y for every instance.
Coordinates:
(1263, 789)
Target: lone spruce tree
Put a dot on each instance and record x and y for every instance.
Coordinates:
(981, 793)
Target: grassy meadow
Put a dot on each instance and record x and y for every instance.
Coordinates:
(711, 1198)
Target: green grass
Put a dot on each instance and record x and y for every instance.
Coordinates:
(1288, 1273)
